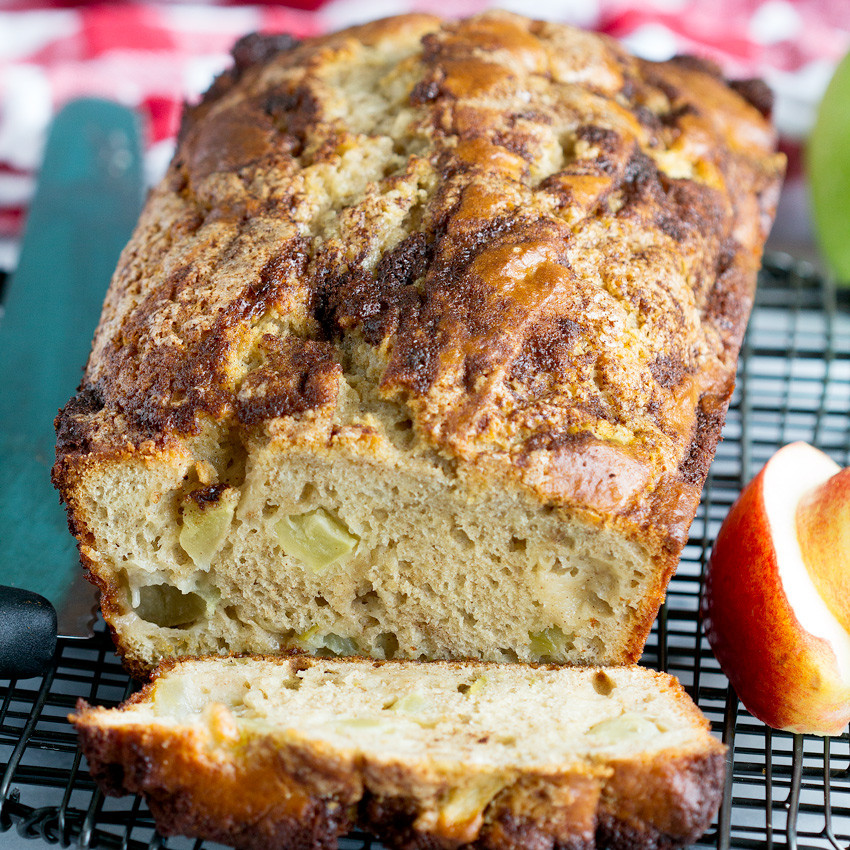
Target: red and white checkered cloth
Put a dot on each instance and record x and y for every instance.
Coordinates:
(155, 56)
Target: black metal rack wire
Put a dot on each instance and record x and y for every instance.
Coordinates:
(782, 790)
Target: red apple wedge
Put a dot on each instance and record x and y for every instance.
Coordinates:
(776, 606)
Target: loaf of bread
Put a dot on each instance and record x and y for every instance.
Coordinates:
(421, 349)
(293, 752)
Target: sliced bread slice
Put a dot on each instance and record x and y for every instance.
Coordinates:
(294, 752)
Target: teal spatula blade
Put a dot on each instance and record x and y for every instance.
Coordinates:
(87, 200)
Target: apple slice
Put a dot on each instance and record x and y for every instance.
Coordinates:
(776, 606)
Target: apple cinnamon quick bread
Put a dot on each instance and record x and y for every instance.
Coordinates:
(292, 752)
(421, 348)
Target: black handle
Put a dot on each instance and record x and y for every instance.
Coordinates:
(27, 633)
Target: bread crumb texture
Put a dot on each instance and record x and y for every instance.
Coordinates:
(422, 348)
(294, 752)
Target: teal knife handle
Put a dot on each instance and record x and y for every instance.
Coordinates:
(87, 201)
(27, 633)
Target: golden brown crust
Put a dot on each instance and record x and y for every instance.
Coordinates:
(548, 813)
(666, 797)
(250, 803)
(582, 230)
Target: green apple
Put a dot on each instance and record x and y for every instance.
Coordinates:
(828, 166)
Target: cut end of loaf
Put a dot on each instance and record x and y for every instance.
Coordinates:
(338, 555)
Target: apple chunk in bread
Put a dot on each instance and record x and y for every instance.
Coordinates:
(776, 597)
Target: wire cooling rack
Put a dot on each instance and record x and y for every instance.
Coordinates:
(782, 790)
